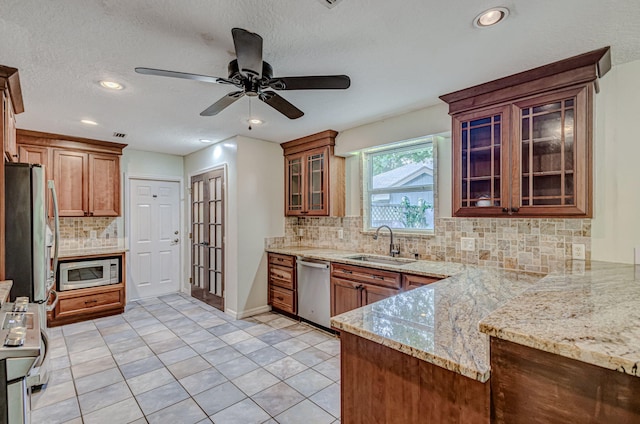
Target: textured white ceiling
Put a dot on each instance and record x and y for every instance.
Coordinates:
(400, 55)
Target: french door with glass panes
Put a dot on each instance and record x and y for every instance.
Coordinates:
(207, 241)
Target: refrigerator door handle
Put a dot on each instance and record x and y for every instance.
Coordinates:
(56, 219)
(52, 305)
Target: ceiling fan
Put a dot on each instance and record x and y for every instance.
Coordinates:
(254, 77)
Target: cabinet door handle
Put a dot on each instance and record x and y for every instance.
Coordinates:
(87, 302)
(377, 277)
(505, 210)
(359, 287)
(304, 211)
(515, 210)
(280, 298)
(347, 271)
(280, 259)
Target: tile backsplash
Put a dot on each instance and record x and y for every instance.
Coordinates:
(529, 244)
(76, 233)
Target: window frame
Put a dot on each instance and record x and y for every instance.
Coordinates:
(367, 181)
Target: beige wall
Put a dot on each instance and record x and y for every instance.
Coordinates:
(616, 223)
(254, 211)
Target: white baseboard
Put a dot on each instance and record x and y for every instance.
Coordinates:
(247, 312)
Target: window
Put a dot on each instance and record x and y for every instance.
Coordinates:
(398, 186)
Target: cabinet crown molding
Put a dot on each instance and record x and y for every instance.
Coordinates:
(11, 80)
(68, 142)
(581, 69)
(321, 139)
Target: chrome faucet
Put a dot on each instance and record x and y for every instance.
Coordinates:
(394, 249)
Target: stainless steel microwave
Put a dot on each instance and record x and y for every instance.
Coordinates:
(89, 273)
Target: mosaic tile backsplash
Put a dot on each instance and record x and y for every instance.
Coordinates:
(529, 244)
(76, 233)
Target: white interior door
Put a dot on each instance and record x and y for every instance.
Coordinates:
(155, 238)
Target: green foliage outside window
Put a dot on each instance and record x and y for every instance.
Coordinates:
(386, 162)
(413, 215)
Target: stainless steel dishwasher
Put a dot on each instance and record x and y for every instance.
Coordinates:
(314, 297)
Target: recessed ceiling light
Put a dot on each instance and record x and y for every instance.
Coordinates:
(255, 121)
(491, 17)
(206, 140)
(112, 85)
(88, 122)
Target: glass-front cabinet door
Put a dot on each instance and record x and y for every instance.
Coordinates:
(294, 165)
(316, 179)
(551, 148)
(480, 149)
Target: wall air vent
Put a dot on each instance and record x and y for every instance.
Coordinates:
(330, 3)
(119, 135)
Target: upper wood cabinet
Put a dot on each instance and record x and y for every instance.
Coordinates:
(86, 172)
(522, 144)
(314, 177)
(10, 105)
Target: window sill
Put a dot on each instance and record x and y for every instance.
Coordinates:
(401, 232)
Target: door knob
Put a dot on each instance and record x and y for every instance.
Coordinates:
(176, 240)
(176, 232)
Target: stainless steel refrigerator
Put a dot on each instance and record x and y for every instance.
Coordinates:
(29, 242)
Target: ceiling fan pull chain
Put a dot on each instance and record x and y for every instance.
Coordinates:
(250, 115)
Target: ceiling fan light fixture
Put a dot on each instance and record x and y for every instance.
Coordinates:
(491, 17)
(88, 122)
(111, 85)
(255, 121)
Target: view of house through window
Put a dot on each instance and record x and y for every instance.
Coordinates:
(399, 186)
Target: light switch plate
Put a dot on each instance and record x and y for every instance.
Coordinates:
(578, 251)
(467, 244)
(340, 233)
(300, 232)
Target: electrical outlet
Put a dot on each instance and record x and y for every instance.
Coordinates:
(578, 251)
(468, 244)
(340, 233)
(300, 232)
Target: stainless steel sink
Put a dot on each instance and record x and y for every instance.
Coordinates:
(381, 260)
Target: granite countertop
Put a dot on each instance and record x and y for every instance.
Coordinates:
(588, 312)
(592, 315)
(90, 251)
(437, 323)
(5, 289)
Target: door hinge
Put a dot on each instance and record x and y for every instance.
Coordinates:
(190, 280)
(190, 235)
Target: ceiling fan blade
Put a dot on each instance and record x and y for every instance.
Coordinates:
(221, 104)
(249, 51)
(326, 82)
(281, 105)
(183, 75)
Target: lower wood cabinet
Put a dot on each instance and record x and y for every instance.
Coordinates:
(353, 286)
(282, 283)
(84, 304)
(532, 386)
(89, 303)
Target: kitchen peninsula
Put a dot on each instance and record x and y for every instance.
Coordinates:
(427, 357)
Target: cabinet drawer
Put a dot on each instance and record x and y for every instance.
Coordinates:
(367, 275)
(410, 282)
(282, 260)
(88, 302)
(282, 277)
(282, 299)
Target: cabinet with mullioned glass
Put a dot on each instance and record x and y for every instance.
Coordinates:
(522, 144)
(314, 177)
